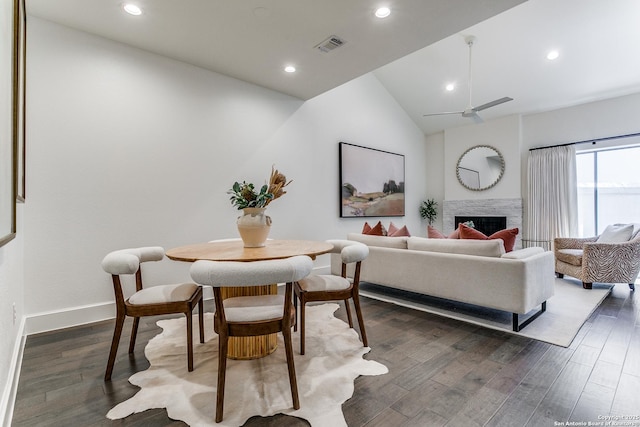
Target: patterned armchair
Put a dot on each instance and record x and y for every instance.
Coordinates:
(591, 260)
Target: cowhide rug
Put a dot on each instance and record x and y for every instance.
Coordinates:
(325, 375)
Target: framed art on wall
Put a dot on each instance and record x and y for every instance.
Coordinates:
(19, 70)
(371, 182)
(7, 126)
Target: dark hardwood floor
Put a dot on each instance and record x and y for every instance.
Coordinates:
(441, 372)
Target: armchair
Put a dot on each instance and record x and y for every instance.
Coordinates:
(592, 260)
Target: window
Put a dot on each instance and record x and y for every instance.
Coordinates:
(608, 188)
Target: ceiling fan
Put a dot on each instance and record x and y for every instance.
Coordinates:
(471, 111)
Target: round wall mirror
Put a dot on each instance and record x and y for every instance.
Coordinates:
(480, 167)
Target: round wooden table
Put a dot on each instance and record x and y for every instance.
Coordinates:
(234, 250)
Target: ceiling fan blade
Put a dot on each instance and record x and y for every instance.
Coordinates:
(443, 114)
(493, 103)
(477, 119)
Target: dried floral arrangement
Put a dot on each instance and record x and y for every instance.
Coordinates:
(244, 195)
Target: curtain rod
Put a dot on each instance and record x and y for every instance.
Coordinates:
(592, 141)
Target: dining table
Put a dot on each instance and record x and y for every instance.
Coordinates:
(234, 250)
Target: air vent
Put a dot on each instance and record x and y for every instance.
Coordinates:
(331, 43)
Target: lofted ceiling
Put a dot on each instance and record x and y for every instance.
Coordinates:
(414, 52)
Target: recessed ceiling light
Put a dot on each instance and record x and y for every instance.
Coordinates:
(132, 9)
(554, 54)
(383, 12)
(290, 69)
(450, 86)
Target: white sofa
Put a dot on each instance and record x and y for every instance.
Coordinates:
(471, 271)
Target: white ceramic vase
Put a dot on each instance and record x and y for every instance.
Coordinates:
(254, 227)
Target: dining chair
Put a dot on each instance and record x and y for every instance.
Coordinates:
(246, 316)
(328, 287)
(149, 301)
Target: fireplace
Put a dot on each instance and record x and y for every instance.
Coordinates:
(510, 209)
(485, 224)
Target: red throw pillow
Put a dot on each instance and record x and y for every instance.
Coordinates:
(508, 236)
(433, 233)
(377, 230)
(401, 232)
(392, 229)
(366, 228)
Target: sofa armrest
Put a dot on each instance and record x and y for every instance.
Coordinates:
(523, 253)
(571, 242)
(617, 262)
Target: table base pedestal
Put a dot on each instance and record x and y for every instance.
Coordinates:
(246, 348)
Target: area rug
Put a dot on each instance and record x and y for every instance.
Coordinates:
(333, 359)
(566, 312)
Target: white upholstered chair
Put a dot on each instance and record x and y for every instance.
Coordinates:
(327, 287)
(150, 301)
(246, 316)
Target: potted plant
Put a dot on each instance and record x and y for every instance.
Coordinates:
(428, 210)
(254, 225)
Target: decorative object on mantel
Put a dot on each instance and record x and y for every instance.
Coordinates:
(254, 225)
(428, 210)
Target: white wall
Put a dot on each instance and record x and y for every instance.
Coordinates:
(11, 295)
(129, 148)
(11, 278)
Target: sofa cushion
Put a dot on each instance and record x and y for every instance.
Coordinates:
(570, 256)
(508, 236)
(381, 241)
(523, 253)
(616, 233)
(488, 248)
(434, 233)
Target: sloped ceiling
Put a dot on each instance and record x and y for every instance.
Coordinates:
(414, 52)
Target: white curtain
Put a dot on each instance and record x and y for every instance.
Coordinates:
(552, 204)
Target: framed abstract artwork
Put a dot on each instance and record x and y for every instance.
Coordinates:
(371, 182)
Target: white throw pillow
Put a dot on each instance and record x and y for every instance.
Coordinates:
(616, 233)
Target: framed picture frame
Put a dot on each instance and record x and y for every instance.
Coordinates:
(19, 87)
(8, 158)
(371, 182)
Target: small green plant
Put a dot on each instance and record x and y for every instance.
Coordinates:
(244, 195)
(428, 210)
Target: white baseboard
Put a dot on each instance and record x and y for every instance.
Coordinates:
(11, 387)
(60, 319)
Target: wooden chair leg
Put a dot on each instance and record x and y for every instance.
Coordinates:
(302, 324)
(223, 345)
(349, 318)
(201, 319)
(356, 302)
(189, 341)
(117, 332)
(134, 334)
(288, 346)
(295, 308)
